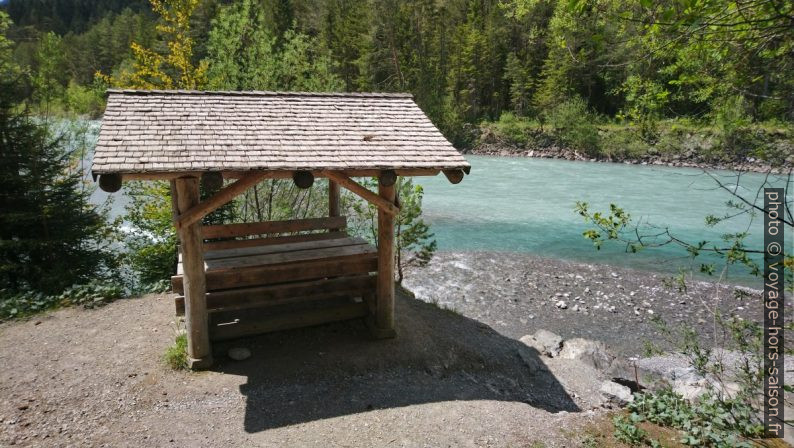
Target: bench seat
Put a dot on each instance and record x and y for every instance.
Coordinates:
(290, 282)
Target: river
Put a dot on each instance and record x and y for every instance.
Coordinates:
(527, 205)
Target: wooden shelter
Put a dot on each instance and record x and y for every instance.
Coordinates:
(247, 278)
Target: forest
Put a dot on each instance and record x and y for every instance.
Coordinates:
(578, 67)
(708, 80)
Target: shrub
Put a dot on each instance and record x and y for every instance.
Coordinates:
(90, 295)
(710, 421)
(84, 100)
(575, 125)
(509, 129)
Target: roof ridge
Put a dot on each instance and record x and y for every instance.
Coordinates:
(260, 93)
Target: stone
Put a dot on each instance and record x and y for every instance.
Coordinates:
(615, 393)
(544, 341)
(239, 353)
(593, 353)
(561, 305)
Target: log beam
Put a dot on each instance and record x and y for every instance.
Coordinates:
(200, 210)
(110, 183)
(385, 205)
(454, 176)
(303, 179)
(199, 351)
(381, 325)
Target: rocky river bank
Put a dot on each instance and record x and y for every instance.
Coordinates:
(517, 294)
(686, 159)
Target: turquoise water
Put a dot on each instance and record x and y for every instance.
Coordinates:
(527, 205)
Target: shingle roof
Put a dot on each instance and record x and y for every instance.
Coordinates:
(178, 131)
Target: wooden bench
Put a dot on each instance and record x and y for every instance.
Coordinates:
(276, 275)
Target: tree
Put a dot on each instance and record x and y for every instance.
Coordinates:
(306, 66)
(152, 243)
(48, 79)
(240, 50)
(50, 235)
(172, 68)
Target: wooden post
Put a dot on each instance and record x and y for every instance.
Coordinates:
(333, 199)
(383, 325)
(199, 351)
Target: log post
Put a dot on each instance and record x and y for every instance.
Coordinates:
(333, 199)
(382, 326)
(199, 351)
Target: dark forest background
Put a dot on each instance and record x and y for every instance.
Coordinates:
(520, 64)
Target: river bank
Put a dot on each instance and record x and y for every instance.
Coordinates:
(676, 145)
(518, 293)
(669, 160)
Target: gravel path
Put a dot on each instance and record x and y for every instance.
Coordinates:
(80, 377)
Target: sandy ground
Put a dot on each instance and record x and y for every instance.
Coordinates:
(79, 377)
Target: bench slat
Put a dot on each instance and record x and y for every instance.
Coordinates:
(252, 242)
(226, 264)
(266, 227)
(264, 296)
(334, 266)
(272, 249)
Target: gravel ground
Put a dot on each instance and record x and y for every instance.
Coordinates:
(79, 377)
(517, 294)
(455, 375)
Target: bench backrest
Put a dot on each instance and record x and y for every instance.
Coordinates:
(228, 236)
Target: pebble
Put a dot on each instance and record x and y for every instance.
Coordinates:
(239, 353)
(561, 305)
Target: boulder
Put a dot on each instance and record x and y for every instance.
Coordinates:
(593, 353)
(616, 394)
(544, 341)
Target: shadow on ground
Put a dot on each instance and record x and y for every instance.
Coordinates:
(334, 370)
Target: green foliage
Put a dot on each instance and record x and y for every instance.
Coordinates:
(241, 50)
(82, 100)
(711, 421)
(628, 432)
(51, 236)
(48, 82)
(575, 125)
(172, 67)
(243, 55)
(175, 356)
(306, 66)
(151, 242)
(90, 295)
(465, 62)
(509, 129)
(412, 235)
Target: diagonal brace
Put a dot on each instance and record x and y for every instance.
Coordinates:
(220, 198)
(360, 190)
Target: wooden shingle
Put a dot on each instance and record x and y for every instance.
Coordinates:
(175, 131)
